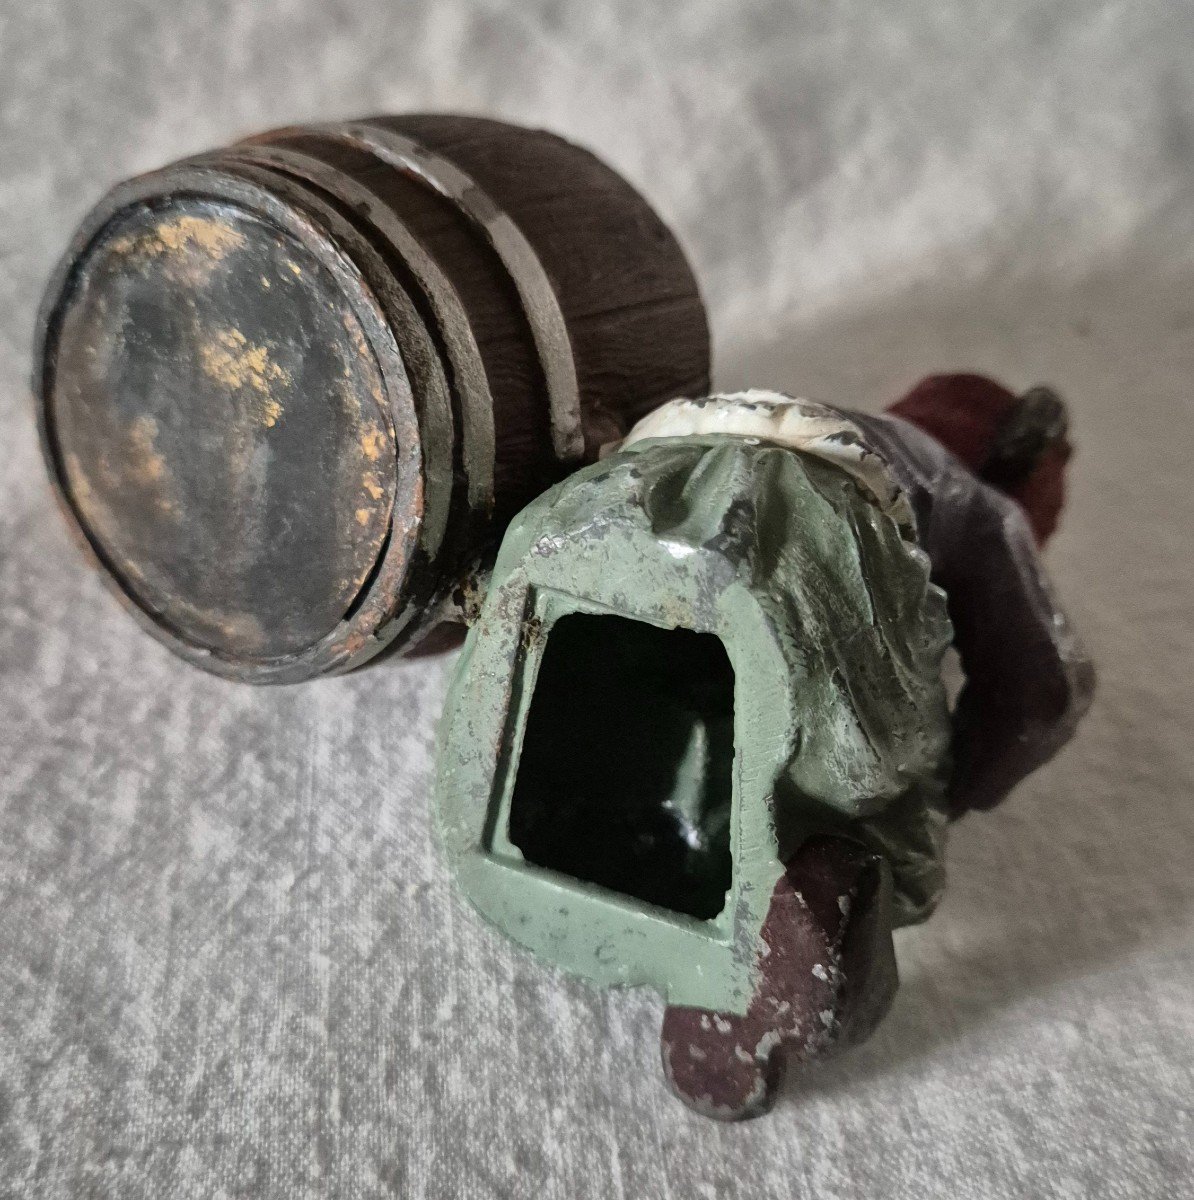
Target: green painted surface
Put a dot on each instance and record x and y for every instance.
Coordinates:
(840, 719)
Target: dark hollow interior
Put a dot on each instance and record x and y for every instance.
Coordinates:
(625, 775)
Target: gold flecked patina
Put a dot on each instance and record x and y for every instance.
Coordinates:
(236, 363)
(145, 464)
(139, 469)
(372, 442)
(216, 237)
(209, 236)
(223, 445)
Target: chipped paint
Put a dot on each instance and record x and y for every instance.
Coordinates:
(729, 1067)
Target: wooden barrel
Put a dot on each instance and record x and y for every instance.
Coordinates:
(292, 390)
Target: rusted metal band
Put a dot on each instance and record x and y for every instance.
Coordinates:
(436, 416)
(539, 301)
(405, 573)
(448, 521)
(474, 414)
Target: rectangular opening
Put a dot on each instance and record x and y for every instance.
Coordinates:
(626, 772)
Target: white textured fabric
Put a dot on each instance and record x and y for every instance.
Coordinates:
(231, 963)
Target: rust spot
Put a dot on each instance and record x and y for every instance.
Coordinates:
(532, 632)
(351, 645)
(470, 596)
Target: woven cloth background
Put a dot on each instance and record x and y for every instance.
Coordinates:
(231, 963)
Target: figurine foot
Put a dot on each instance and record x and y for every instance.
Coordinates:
(826, 977)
